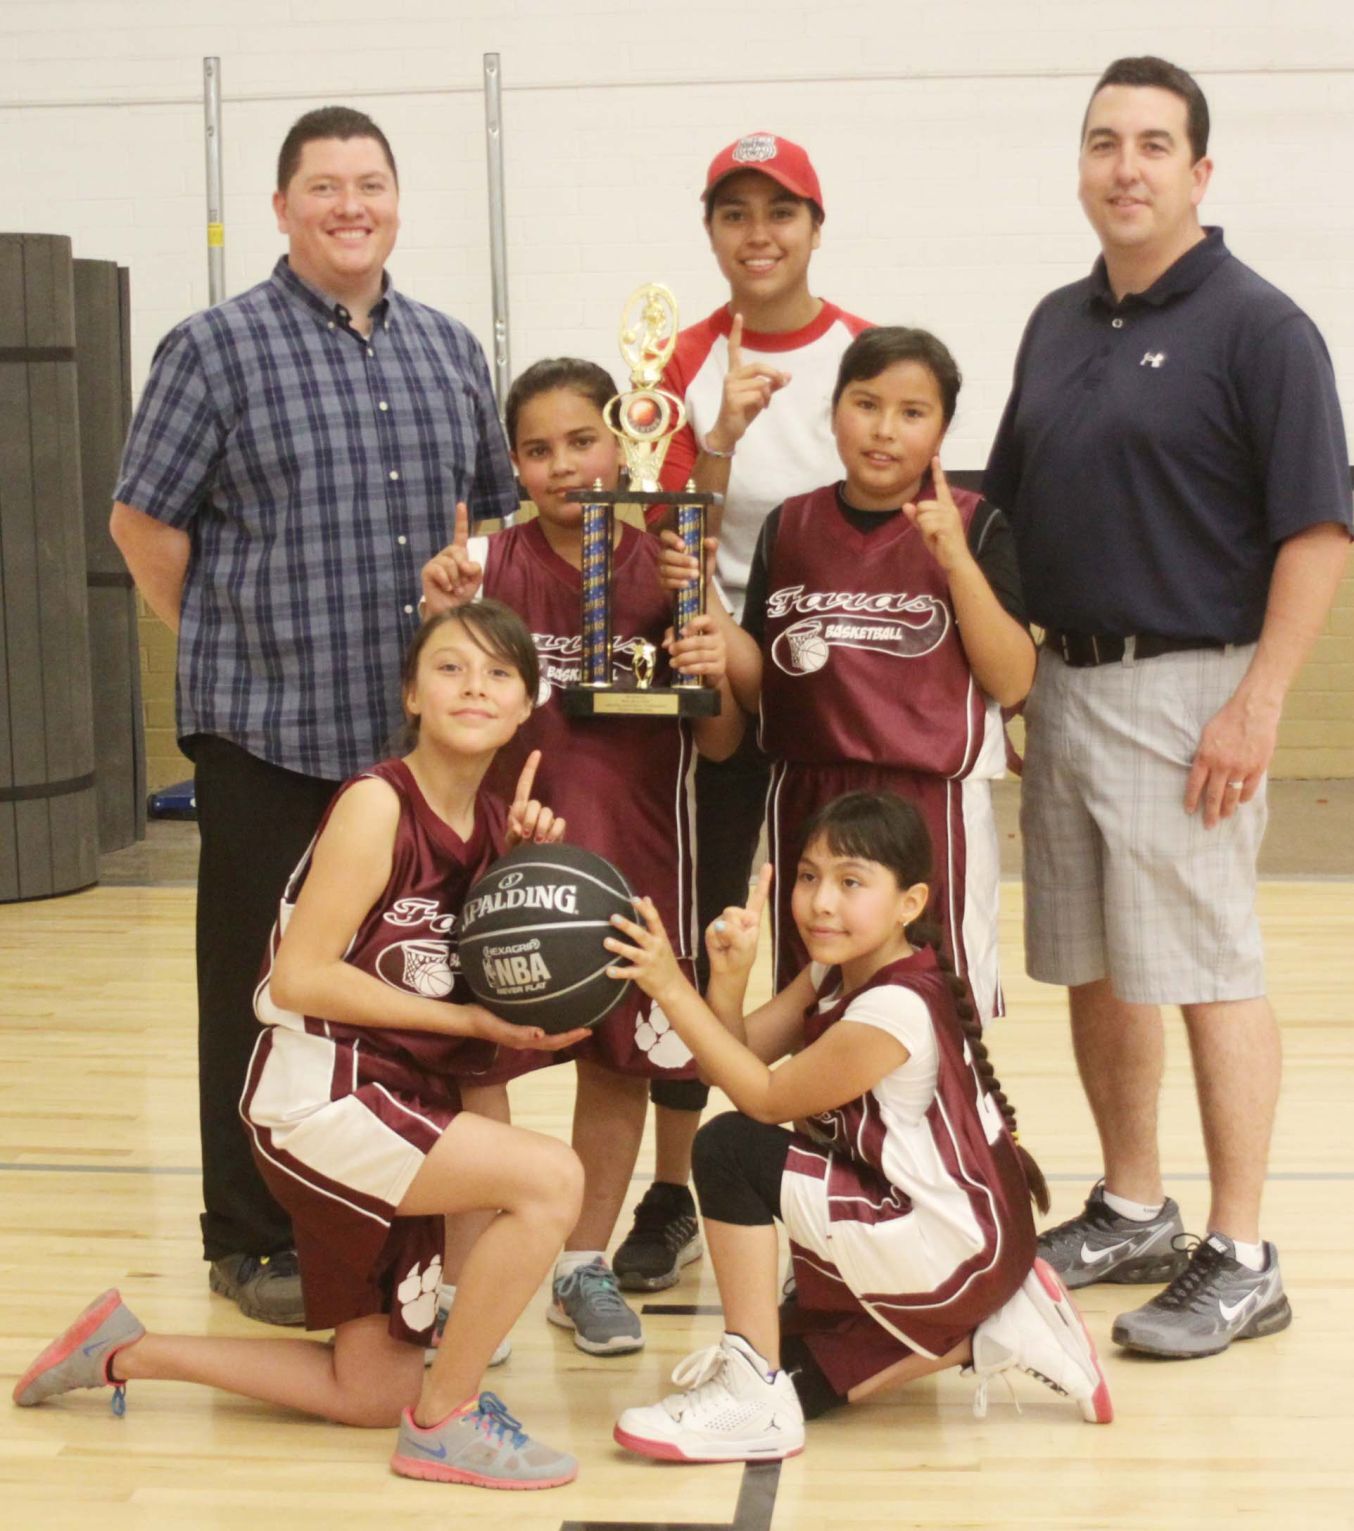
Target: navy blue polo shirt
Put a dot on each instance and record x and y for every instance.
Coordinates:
(1155, 452)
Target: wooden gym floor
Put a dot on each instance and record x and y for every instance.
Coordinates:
(98, 1174)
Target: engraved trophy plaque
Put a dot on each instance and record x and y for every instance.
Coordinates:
(644, 420)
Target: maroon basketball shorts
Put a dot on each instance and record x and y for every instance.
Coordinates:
(965, 875)
(872, 1290)
(339, 1134)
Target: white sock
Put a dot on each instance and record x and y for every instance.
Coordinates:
(570, 1260)
(1252, 1256)
(1135, 1211)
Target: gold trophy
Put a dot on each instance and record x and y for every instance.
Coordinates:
(644, 420)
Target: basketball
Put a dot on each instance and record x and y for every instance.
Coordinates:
(531, 937)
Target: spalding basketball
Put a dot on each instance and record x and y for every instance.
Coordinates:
(531, 934)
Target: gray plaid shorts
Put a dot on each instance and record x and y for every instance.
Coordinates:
(1120, 882)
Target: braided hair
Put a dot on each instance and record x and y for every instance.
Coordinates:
(882, 827)
(924, 933)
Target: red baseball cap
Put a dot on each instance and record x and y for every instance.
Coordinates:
(786, 163)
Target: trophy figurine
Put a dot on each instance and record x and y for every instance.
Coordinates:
(644, 420)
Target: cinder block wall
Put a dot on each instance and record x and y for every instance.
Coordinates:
(945, 137)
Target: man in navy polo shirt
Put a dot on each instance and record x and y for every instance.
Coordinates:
(1174, 463)
(296, 458)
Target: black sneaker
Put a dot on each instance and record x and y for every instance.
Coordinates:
(1099, 1245)
(263, 1287)
(665, 1237)
(1216, 1300)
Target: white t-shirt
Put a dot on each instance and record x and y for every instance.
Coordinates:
(906, 1093)
(788, 449)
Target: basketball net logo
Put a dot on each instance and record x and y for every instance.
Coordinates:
(806, 646)
(427, 968)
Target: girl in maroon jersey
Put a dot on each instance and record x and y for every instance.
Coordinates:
(354, 1109)
(883, 632)
(903, 1190)
(622, 782)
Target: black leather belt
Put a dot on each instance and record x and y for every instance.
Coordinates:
(1081, 650)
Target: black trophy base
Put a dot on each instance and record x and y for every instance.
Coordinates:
(640, 702)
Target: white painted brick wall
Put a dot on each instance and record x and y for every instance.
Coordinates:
(945, 137)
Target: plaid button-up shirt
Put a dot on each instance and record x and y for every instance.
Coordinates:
(315, 471)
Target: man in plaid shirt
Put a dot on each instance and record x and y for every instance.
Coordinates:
(296, 457)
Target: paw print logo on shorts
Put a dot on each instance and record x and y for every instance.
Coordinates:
(417, 1294)
(655, 1038)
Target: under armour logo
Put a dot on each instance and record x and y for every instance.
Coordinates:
(1153, 359)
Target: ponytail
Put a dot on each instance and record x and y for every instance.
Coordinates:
(923, 933)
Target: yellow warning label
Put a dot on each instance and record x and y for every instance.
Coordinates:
(216, 236)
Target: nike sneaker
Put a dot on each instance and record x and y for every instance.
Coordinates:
(1041, 1333)
(81, 1356)
(731, 1410)
(1214, 1301)
(1099, 1245)
(481, 1444)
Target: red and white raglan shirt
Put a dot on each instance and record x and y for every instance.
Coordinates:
(909, 1203)
(865, 686)
(623, 784)
(343, 1116)
(788, 448)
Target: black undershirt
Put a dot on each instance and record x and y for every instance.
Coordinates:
(990, 541)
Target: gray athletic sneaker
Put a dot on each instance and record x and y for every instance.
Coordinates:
(1099, 1245)
(589, 1302)
(266, 1288)
(1215, 1301)
(446, 1295)
(80, 1356)
(481, 1444)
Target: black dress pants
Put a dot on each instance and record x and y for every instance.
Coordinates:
(255, 821)
(730, 808)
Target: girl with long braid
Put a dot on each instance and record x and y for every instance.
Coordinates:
(901, 1185)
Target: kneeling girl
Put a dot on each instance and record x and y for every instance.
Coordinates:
(902, 1188)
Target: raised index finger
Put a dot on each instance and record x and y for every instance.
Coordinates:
(938, 477)
(736, 343)
(527, 779)
(758, 896)
(461, 530)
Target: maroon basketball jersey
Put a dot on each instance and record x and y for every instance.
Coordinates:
(861, 659)
(408, 937)
(621, 782)
(967, 1175)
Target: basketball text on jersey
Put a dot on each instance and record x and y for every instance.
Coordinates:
(806, 646)
(560, 657)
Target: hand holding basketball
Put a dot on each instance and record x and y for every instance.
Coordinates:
(940, 524)
(653, 965)
(528, 819)
(731, 940)
(748, 388)
(487, 1026)
(451, 577)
